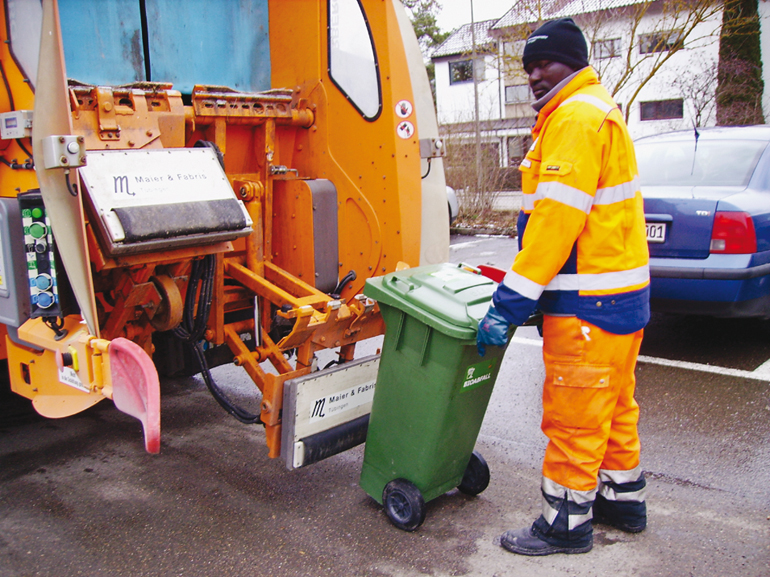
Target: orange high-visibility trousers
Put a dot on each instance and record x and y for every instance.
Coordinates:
(589, 411)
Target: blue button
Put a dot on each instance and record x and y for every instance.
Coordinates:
(43, 281)
(44, 300)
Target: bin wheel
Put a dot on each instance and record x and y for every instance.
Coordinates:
(404, 504)
(476, 477)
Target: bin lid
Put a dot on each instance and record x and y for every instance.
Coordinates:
(444, 296)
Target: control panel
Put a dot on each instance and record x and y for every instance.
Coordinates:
(41, 260)
(16, 124)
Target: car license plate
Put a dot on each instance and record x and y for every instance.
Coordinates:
(656, 232)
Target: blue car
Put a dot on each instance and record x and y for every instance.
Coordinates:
(707, 207)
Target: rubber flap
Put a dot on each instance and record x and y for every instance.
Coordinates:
(136, 388)
(446, 297)
(336, 440)
(172, 220)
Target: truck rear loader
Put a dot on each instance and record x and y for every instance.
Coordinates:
(184, 184)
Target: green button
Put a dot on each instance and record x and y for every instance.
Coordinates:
(37, 212)
(37, 230)
(26, 213)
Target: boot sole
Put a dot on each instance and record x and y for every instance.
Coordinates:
(628, 529)
(625, 528)
(544, 551)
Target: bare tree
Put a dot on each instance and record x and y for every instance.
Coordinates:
(679, 26)
(697, 90)
(477, 185)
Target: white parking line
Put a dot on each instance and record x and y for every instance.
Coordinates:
(762, 373)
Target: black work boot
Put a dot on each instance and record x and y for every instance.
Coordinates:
(528, 541)
(620, 500)
(628, 516)
(564, 527)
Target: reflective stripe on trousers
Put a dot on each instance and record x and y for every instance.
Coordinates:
(566, 518)
(622, 486)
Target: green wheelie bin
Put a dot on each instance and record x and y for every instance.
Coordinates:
(432, 389)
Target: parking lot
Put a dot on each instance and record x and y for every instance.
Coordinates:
(80, 496)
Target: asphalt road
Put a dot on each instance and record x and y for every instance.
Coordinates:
(80, 497)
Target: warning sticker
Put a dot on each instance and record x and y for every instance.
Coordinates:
(405, 129)
(404, 109)
(69, 377)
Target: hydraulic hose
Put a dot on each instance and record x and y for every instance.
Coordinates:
(192, 327)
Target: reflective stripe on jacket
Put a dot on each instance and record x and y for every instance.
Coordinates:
(581, 231)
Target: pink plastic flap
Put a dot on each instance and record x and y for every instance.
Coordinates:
(136, 388)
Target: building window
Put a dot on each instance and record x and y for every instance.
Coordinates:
(518, 146)
(517, 93)
(460, 71)
(658, 41)
(609, 48)
(662, 109)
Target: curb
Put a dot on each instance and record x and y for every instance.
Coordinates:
(470, 231)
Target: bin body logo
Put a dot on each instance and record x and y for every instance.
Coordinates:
(478, 374)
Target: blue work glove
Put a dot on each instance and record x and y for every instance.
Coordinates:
(493, 330)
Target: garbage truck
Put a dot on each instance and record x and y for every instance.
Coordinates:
(189, 183)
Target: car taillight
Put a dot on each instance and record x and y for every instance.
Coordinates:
(733, 233)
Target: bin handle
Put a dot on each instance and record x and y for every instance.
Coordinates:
(411, 286)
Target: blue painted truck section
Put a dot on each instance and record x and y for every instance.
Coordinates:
(223, 43)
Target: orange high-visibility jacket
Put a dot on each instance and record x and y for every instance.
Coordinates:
(581, 231)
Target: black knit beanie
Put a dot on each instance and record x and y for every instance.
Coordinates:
(557, 41)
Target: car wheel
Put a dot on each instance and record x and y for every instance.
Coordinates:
(404, 504)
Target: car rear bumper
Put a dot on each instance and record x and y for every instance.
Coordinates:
(714, 267)
(719, 286)
(754, 308)
(660, 271)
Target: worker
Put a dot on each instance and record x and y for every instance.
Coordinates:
(583, 262)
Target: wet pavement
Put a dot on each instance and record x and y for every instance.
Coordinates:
(79, 496)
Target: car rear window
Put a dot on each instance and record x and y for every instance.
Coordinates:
(713, 163)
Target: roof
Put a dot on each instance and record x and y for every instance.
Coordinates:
(526, 12)
(531, 12)
(461, 40)
(576, 7)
